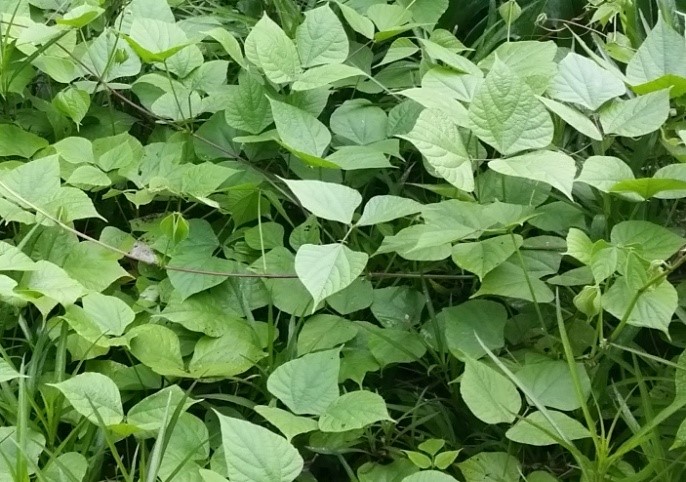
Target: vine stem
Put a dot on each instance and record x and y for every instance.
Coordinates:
(225, 274)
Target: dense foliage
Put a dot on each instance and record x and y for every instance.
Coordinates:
(370, 240)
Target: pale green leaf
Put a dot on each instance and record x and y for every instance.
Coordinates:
(603, 172)
(94, 396)
(269, 48)
(326, 200)
(359, 121)
(321, 38)
(247, 107)
(400, 48)
(321, 332)
(536, 429)
(254, 453)
(429, 476)
(53, 282)
(211, 359)
(551, 383)
(551, 167)
(73, 103)
(582, 81)
(654, 308)
(353, 410)
(299, 129)
(481, 257)
(155, 40)
(13, 259)
(491, 467)
(490, 396)
(636, 117)
(80, 16)
(324, 75)
(574, 118)
(510, 280)
(111, 314)
(288, 424)
(309, 384)
(148, 414)
(440, 142)
(327, 269)
(650, 240)
(158, 348)
(384, 208)
(68, 467)
(7, 372)
(357, 22)
(506, 114)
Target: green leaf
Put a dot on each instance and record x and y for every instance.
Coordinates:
(254, 453)
(94, 266)
(359, 121)
(7, 372)
(80, 16)
(506, 114)
(533, 61)
(15, 141)
(299, 129)
(13, 259)
(636, 117)
(210, 359)
(326, 200)
(73, 103)
(440, 142)
(321, 38)
(651, 241)
(490, 396)
(93, 395)
(148, 415)
(358, 296)
(468, 322)
(450, 58)
(269, 48)
(155, 40)
(482, 257)
(321, 332)
(551, 167)
(604, 172)
(327, 269)
(309, 384)
(247, 106)
(661, 56)
(582, 81)
(400, 48)
(574, 118)
(491, 467)
(288, 424)
(158, 348)
(14, 450)
(654, 308)
(97, 58)
(552, 384)
(53, 282)
(354, 410)
(324, 75)
(429, 476)
(534, 428)
(510, 280)
(426, 12)
(110, 313)
(384, 208)
(197, 263)
(645, 188)
(357, 22)
(70, 466)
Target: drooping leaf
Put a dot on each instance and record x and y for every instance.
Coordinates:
(574, 118)
(15, 141)
(94, 396)
(506, 114)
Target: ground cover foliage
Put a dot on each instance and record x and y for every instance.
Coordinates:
(352, 240)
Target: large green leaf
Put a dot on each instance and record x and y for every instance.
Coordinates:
(636, 117)
(653, 308)
(155, 40)
(574, 118)
(211, 360)
(536, 429)
(429, 476)
(254, 453)
(94, 396)
(506, 114)
(650, 240)
(510, 280)
(309, 384)
(604, 172)
(300, 130)
(326, 200)
(247, 107)
(468, 322)
(158, 348)
(288, 424)
(551, 167)
(359, 121)
(440, 142)
(490, 396)
(148, 415)
(582, 81)
(15, 141)
(53, 282)
(381, 209)
(269, 48)
(551, 382)
(482, 257)
(321, 38)
(353, 410)
(321, 332)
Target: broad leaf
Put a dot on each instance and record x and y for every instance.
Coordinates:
(94, 396)
(354, 410)
(309, 384)
(506, 114)
(604, 172)
(255, 453)
(299, 129)
(653, 308)
(326, 200)
(155, 40)
(552, 384)
(636, 117)
(269, 48)
(482, 257)
(321, 38)
(327, 269)
(574, 118)
(650, 240)
(490, 396)
(381, 209)
(468, 322)
(536, 429)
(288, 424)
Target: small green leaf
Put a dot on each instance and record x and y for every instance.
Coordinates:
(419, 459)
(148, 414)
(506, 114)
(636, 117)
(309, 384)
(70, 466)
(299, 129)
(534, 428)
(604, 172)
(247, 106)
(327, 269)
(7, 372)
(510, 11)
(490, 396)
(321, 38)
(254, 453)
(440, 141)
(94, 396)
(288, 424)
(357, 22)
(431, 446)
(326, 200)
(354, 410)
(110, 313)
(359, 121)
(269, 48)
(80, 16)
(551, 167)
